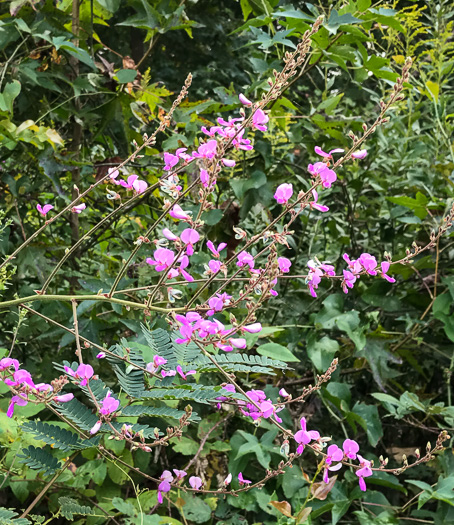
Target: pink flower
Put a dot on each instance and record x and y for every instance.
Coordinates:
(214, 266)
(180, 474)
(101, 355)
(64, 398)
(351, 448)
(228, 162)
(369, 263)
(252, 328)
(215, 251)
(44, 387)
(139, 186)
(79, 208)
(228, 479)
(166, 478)
(303, 436)
(327, 176)
(44, 210)
(384, 270)
(129, 184)
(259, 119)
(113, 174)
(95, 427)
(195, 482)
(229, 387)
(348, 281)
(245, 258)
(283, 393)
(328, 155)
(238, 342)
(15, 400)
(242, 480)
(313, 204)
(284, 264)
(163, 259)
(170, 161)
(190, 237)
(177, 213)
(7, 362)
(185, 374)
(283, 193)
(21, 377)
(364, 472)
(359, 154)
(244, 100)
(207, 150)
(109, 405)
(84, 372)
(334, 453)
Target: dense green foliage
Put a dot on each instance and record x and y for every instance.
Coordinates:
(72, 107)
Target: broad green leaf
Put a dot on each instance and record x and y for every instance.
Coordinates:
(277, 351)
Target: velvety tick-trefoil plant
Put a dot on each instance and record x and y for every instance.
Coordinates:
(207, 328)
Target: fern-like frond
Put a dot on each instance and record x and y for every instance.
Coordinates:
(40, 460)
(58, 437)
(130, 378)
(70, 506)
(141, 410)
(7, 517)
(239, 363)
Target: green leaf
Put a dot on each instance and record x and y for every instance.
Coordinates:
(322, 352)
(195, 509)
(277, 351)
(70, 506)
(38, 459)
(11, 91)
(330, 104)
(141, 410)
(370, 415)
(58, 437)
(433, 90)
(335, 21)
(124, 76)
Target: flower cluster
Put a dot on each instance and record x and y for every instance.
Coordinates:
(132, 183)
(21, 383)
(334, 454)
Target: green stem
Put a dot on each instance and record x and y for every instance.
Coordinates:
(49, 298)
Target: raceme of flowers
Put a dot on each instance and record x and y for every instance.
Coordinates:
(172, 258)
(21, 383)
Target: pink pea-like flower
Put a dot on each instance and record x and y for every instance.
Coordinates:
(244, 100)
(170, 161)
(8, 362)
(79, 208)
(328, 155)
(245, 259)
(113, 174)
(242, 480)
(283, 193)
(169, 235)
(359, 154)
(284, 264)
(206, 150)
(15, 400)
(283, 393)
(229, 163)
(364, 472)
(177, 213)
(180, 474)
(195, 482)
(259, 119)
(238, 342)
(252, 328)
(313, 204)
(229, 387)
(139, 186)
(190, 237)
(163, 259)
(44, 210)
(228, 479)
(101, 355)
(216, 251)
(166, 478)
(304, 436)
(95, 427)
(64, 398)
(109, 404)
(326, 175)
(350, 448)
(384, 270)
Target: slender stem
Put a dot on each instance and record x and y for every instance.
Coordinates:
(102, 298)
(48, 485)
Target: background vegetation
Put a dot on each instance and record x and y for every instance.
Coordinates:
(78, 87)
